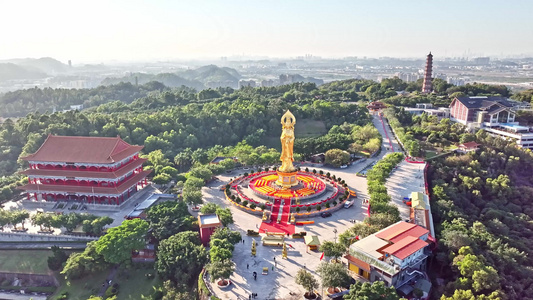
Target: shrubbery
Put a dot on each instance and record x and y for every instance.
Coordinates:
(55, 262)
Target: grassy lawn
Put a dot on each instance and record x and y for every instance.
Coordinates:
(80, 289)
(309, 128)
(133, 284)
(25, 261)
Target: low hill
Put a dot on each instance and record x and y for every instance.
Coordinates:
(10, 71)
(168, 79)
(213, 76)
(44, 64)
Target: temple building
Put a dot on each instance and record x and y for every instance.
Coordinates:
(100, 170)
(427, 85)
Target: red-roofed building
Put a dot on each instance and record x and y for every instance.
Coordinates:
(468, 147)
(100, 170)
(376, 105)
(394, 255)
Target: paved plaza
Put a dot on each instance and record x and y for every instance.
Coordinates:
(398, 187)
(280, 281)
(116, 213)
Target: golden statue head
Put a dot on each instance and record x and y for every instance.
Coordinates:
(288, 120)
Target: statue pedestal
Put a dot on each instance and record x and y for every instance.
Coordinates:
(287, 179)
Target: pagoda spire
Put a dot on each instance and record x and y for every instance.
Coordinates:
(427, 85)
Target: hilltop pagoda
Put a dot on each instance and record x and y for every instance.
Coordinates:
(100, 170)
(427, 85)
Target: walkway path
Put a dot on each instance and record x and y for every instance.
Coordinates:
(18, 296)
(108, 280)
(40, 245)
(383, 127)
(407, 178)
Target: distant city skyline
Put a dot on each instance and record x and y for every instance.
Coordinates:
(102, 31)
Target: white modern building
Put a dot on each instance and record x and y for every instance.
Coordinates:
(496, 115)
(440, 113)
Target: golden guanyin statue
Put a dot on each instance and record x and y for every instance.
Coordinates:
(287, 142)
(287, 172)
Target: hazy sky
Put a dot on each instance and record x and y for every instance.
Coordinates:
(94, 31)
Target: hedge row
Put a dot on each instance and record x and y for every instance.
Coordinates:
(376, 177)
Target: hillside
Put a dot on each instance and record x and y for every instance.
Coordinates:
(168, 79)
(10, 71)
(212, 76)
(44, 64)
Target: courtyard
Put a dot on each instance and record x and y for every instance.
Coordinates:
(280, 282)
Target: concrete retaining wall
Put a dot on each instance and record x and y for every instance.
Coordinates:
(32, 237)
(30, 279)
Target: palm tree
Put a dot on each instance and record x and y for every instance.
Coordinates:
(182, 159)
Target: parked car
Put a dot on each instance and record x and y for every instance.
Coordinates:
(326, 214)
(344, 166)
(348, 203)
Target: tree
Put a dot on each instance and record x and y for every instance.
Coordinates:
(42, 219)
(80, 264)
(71, 221)
(224, 233)
(194, 182)
(485, 279)
(220, 253)
(220, 269)
(333, 274)
(227, 163)
(168, 218)
(157, 159)
(161, 178)
(5, 218)
(331, 249)
(181, 257)
(116, 246)
(175, 293)
(337, 157)
(19, 216)
(209, 208)
(202, 173)
(57, 259)
(99, 223)
(307, 281)
(371, 291)
(225, 216)
(171, 171)
(192, 196)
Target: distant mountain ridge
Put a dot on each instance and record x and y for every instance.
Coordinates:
(11, 71)
(210, 76)
(168, 79)
(212, 73)
(46, 65)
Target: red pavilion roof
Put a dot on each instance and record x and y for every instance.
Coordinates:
(83, 149)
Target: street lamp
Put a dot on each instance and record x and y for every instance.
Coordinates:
(335, 232)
